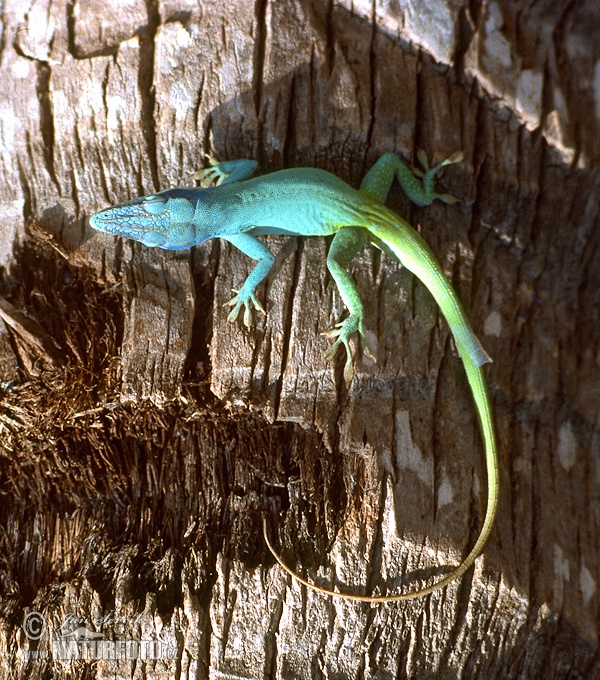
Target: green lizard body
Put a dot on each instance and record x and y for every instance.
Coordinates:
(312, 202)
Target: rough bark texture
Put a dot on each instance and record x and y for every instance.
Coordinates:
(142, 437)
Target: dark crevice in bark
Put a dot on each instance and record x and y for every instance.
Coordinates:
(71, 20)
(372, 86)
(197, 106)
(374, 560)
(483, 177)
(271, 640)
(466, 32)
(260, 11)
(329, 36)
(44, 77)
(198, 363)
(146, 86)
(289, 141)
(3, 24)
(287, 318)
(26, 191)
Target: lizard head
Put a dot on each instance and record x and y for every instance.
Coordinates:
(161, 220)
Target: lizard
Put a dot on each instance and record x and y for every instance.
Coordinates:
(232, 205)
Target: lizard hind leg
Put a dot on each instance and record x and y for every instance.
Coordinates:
(344, 247)
(245, 296)
(417, 185)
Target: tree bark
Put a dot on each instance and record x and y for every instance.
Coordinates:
(143, 438)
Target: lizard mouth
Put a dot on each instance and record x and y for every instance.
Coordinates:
(131, 226)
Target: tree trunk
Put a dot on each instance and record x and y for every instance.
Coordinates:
(143, 437)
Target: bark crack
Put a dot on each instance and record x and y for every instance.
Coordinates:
(146, 86)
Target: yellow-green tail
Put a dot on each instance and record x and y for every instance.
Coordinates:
(417, 257)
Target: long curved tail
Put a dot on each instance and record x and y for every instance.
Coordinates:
(416, 256)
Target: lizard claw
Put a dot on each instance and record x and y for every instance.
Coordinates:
(423, 160)
(242, 299)
(367, 351)
(448, 198)
(342, 332)
(212, 176)
(428, 175)
(333, 332)
(456, 157)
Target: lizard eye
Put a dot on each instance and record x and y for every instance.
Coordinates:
(155, 205)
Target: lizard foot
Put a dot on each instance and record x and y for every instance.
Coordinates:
(241, 298)
(223, 172)
(342, 333)
(212, 176)
(428, 174)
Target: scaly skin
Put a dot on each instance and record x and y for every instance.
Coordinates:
(312, 202)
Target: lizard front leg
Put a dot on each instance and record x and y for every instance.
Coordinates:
(224, 172)
(257, 250)
(346, 243)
